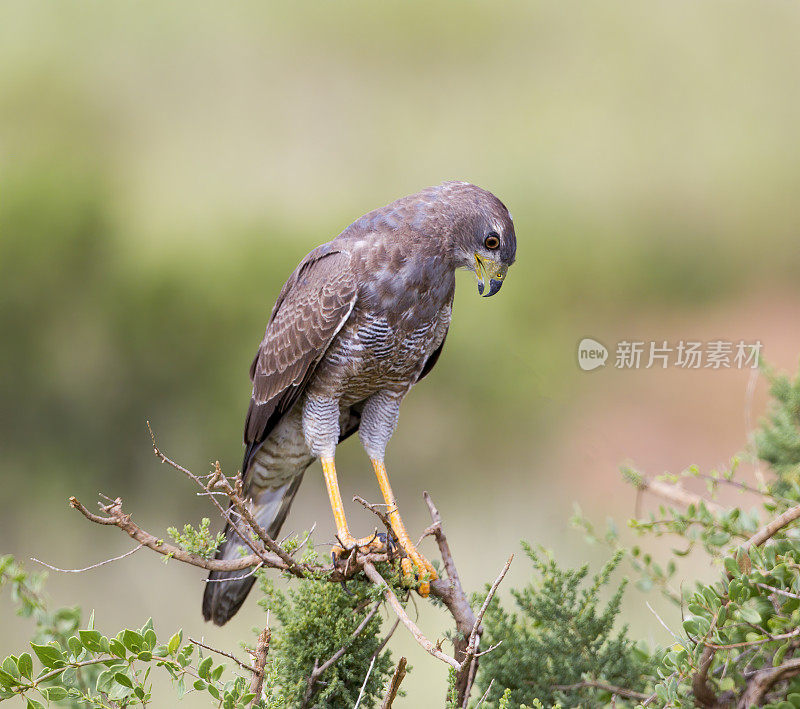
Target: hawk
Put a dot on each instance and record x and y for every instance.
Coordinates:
(360, 321)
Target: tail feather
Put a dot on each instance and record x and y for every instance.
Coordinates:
(226, 590)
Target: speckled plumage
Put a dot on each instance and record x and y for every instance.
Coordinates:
(357, 324)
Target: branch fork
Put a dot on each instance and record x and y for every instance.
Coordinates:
(266, 552)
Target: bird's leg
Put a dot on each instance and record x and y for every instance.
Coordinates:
(425, 570)
(347, 540)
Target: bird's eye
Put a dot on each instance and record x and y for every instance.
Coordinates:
(492, 240)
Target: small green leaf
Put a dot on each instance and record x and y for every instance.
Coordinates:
(33, 704)
(117, 648)
(48, 655)
(10, 666)
(217, 673)
(199, 685)
(8, 680)
(777, 659)
(91, 640)
(55, 694)
(75, 646)
(106, 681)
(25, 665)
(719, 538)
(175, 642)
(204, 667)
(691, 626)
(123, 679)
(750, 615)
(132, 640)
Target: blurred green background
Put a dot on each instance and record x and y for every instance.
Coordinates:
(165, 165)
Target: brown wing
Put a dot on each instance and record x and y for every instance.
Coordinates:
(312, 307)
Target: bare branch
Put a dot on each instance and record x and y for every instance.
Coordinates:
(704, 695)
(472, 645)
(761, 682)
(489, 649)
(266, 552)
(382, 516)
(427, 645)
(429, 531)
(119, 519)
(394, 684)
(444, 546)
(89, 568)
(217, 482)
(235, 578)
(116, 517)
(260, 656)
(676, 494)
(451, 593)
(485, 694)
(748, 643)
(589, 684)
(241, 664)
(779, 591)
(770, 530)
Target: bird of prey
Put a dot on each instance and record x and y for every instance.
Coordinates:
(360, 321)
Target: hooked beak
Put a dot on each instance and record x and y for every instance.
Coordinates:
(491, 271)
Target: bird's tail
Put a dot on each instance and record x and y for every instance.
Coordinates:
(226, 590)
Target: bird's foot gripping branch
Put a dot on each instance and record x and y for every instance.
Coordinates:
(372, 573)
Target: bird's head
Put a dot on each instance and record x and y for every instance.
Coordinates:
(483, 238)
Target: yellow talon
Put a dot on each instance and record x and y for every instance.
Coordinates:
(414, 566)
(413, 557)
